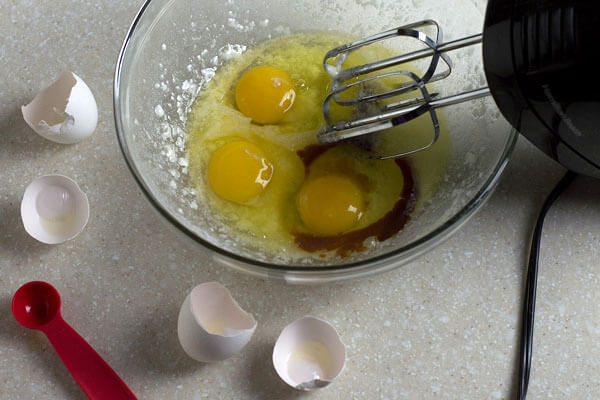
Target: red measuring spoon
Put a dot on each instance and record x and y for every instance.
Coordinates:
(36, 305)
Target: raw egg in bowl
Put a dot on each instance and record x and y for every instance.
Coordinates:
(217, 106)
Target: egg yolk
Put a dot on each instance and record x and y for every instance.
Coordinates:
(330, 204)
(239, 171)
(265, 94)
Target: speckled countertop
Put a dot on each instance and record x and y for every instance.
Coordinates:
(445, 326)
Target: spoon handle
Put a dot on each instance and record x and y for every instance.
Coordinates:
(92, 373)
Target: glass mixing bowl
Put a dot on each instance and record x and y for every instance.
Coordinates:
(172, 50)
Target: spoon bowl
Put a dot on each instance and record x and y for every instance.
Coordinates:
(35, 304)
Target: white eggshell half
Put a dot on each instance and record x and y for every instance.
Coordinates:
(65, 112)
(309, 354)
(211, 325)
(54, 209)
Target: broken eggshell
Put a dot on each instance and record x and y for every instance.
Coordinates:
(54, 209)
(211, 325)
(309, 354)
(65, 112)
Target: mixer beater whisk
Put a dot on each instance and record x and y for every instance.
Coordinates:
(377, 107)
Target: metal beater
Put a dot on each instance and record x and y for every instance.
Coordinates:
(383, 116)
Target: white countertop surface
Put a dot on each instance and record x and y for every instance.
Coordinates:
(445, 326)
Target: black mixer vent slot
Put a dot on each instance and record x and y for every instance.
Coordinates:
(549, 39)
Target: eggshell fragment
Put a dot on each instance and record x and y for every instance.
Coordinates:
(309, 354)
(54, 209)
(211, 325)
(65, 112)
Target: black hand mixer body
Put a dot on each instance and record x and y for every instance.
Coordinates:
(541, 59)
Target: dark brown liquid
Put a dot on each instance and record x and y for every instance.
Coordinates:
(384, 228)
(311, 152)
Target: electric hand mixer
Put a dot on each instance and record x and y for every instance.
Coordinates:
(540, 59)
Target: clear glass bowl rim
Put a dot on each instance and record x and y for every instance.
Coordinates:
(304, 274)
